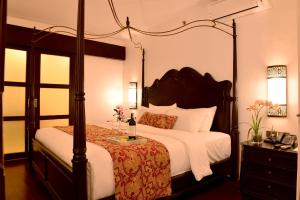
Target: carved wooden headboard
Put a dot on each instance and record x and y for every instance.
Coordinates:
(190, 89)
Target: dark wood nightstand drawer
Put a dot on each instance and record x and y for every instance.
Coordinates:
(267, 173)
(273, 174)
(262, 189)
(272, 158)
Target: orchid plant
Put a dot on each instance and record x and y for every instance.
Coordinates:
(256, 118)
(119, 113)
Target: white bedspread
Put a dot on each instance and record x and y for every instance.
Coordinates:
(194, 146)
(188, 151)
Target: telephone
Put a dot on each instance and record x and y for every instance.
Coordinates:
(274, 137)
(289, 140)
(281, 140)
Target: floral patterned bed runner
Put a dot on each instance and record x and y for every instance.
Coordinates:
(142, 171)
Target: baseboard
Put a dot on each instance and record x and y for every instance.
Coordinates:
(15, 156)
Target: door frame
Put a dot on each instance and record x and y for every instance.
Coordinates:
(3, 16)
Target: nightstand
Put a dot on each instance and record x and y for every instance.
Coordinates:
(267, 173)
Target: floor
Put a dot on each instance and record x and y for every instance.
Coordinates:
(21, 185)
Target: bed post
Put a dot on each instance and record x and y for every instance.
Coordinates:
(32, 114)
(144, 96)
(79, 139)
(3, 15)
(234, 131)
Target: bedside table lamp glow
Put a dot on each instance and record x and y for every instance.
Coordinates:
(132, 95)
(277, 75)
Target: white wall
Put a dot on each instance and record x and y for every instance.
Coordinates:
(298, 172)
(132, 70)
(103, 87)
(264, 39)
(269, 38)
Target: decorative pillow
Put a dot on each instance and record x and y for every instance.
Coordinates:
(158, 120)
(188, 120)
(210, 114)
(161, 109)
(140, 111)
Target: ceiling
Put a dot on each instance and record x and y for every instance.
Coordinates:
(142, 13)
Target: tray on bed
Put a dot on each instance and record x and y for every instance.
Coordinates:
(126, 140)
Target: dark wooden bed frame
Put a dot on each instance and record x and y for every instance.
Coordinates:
(186, 87)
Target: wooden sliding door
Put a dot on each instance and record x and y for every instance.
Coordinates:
(54, 89)
(53, 106)
(15, 134)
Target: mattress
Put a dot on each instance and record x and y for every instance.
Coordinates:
(188, 151)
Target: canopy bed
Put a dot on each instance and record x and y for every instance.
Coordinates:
(186, 87)
(51, 162)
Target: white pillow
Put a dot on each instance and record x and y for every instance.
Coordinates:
(187, 120)
(209, 113)
(154, 109)
(161, 109)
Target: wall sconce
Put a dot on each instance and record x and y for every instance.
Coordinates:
(132, 95)
(277, 90)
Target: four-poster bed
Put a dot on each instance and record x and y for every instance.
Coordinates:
(65, 182)
(188, 89)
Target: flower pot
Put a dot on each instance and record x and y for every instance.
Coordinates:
(256, 138)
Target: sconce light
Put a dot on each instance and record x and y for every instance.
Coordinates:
(132, 95)
(277, 90)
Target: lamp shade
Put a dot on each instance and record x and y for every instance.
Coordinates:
(277, 75)
(132, 95)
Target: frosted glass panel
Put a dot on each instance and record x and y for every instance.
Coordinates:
(54, 101)
(14, 136)
(55, 69)
(14, 101)
(54, 122)
(15, 65)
